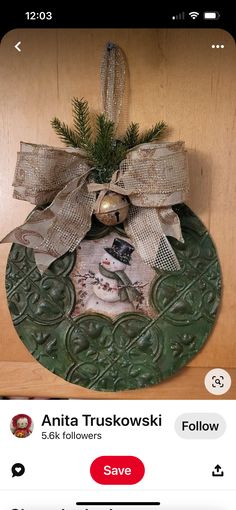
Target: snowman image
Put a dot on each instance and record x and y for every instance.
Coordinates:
(113, 291)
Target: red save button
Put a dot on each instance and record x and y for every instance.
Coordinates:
(117, 470)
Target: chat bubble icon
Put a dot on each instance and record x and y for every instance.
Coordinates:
(17, 469)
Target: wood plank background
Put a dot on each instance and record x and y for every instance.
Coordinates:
(176, 76)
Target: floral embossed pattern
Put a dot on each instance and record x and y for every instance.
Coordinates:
(131, 350)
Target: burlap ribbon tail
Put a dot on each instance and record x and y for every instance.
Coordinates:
(62, 178)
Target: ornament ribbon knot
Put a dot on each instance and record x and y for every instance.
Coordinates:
(153, 177)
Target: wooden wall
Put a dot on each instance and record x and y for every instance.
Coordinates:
(176, 76)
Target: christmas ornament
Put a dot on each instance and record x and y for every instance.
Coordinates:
(91, 302)
(113, 209)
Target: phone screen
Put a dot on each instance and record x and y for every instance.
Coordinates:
(117, 351)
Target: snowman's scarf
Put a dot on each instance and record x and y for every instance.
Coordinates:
(127, 293)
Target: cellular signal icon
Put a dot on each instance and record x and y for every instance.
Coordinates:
(179, 16)
(194, 14)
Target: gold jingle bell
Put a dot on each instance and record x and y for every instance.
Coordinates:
(113, 209)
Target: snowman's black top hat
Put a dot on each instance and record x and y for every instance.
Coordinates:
(121, 250)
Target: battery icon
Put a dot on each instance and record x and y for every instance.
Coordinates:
(211, 15)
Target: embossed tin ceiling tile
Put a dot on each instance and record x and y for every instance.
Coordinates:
(112, 329)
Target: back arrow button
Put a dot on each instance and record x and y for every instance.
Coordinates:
(17, 46)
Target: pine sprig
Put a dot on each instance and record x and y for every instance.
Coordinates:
(105, 152)
(67, 135)
(81, 119)
(153, 133)
(130, 138)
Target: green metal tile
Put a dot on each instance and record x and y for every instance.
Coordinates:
(134, 350)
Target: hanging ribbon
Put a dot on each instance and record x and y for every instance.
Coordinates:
(113, 74)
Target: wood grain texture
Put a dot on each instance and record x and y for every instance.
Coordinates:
(35, 381)
(175, 76)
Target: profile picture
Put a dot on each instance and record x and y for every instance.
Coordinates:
(21, 425)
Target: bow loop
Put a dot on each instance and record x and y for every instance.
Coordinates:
(153, 176)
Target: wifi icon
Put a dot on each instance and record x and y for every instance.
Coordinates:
(194, 14)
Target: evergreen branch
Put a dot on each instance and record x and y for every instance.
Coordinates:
(100, 150)
(67, 135)
(82, 121)
(105, 129)
(153, 133)
(106, 153)
(130, 138)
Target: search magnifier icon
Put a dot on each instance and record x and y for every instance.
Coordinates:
(218, 381)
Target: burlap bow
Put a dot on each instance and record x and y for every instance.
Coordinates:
(153, 176)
